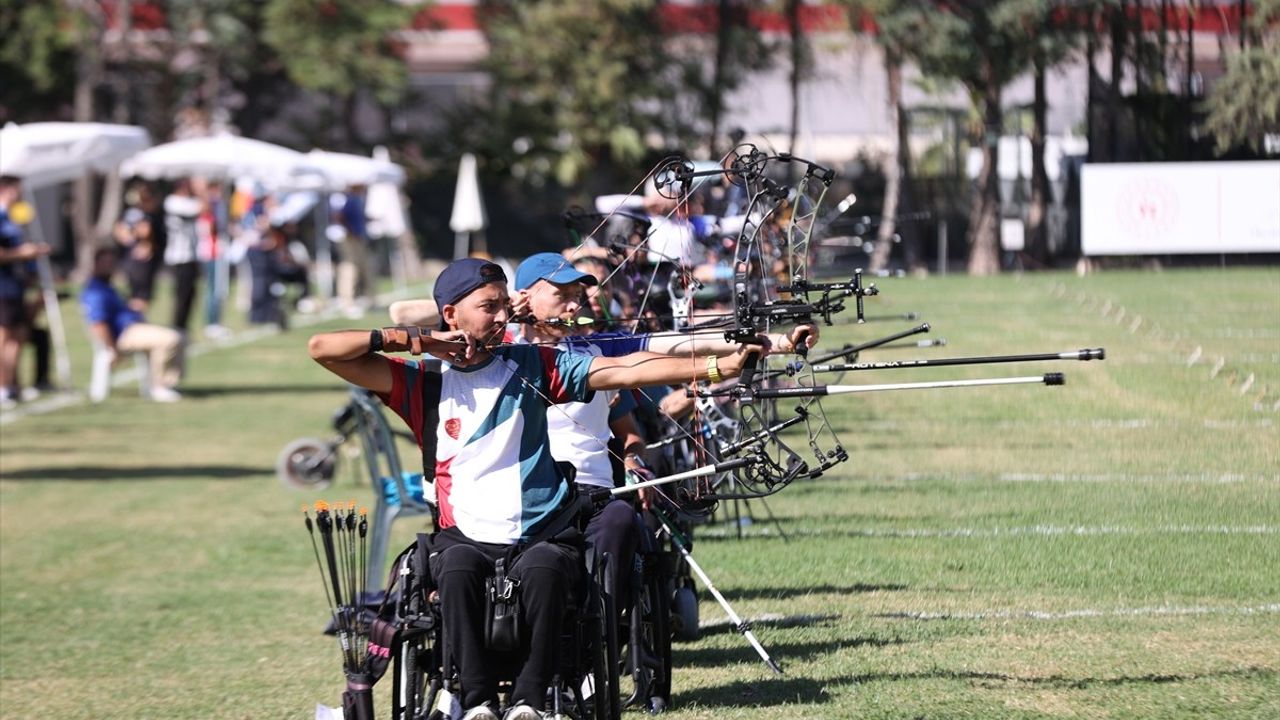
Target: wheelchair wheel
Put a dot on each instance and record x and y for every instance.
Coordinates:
(648, 654)
(307, 464)
(684, 613)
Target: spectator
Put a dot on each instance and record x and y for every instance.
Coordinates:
(272, 267)
(212, 228)
(134, 234)
(356, 278)
(15, 255)
(119, 328)
(181, 210)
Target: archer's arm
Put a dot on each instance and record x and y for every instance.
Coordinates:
(713, 343)
(346, 353)
(643, 369)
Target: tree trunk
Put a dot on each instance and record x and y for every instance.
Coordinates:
(88, 75)
(1118, 33)
(1091, 101)
(716, 100)
(1037, 215)
(797, 67)
(894, 167)
(984, 216)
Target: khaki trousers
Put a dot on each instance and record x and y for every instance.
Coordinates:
(163, 346)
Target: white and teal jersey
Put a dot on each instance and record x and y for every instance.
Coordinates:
(495, 478)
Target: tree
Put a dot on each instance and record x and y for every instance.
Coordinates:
(982, 46)
(37, 59)
(342, 48)
(888, 17)
(1244, 106)
(580, 85)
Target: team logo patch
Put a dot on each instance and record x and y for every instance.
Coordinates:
(453, 427)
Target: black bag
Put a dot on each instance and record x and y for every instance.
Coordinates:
(502, 632)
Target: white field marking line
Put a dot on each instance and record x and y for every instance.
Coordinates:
(1137, 323)
(769, 619)
(130, 375)
(1095, 424)
(1221, 478)
(1158, 610)
(1028, 531)
(1195, 356)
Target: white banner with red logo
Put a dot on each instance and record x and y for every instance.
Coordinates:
(1180, 208)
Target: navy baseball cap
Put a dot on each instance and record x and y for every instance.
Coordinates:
(460, 278)
(549, 266)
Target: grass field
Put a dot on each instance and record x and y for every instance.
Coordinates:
(1107, 549)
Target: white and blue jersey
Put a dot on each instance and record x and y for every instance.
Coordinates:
(496, 480)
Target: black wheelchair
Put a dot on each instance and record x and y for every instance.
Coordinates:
(424, 681)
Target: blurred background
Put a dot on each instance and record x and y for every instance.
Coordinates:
(966, 122)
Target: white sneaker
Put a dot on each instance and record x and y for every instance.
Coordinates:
(165, 395)
(480, 712)
(217, 332)
(522, 712)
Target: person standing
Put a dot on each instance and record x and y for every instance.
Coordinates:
(182, 208)
(15, 254)
(356, 277)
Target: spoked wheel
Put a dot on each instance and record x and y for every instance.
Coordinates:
(649, 646)
(307, 464)
(607, 701)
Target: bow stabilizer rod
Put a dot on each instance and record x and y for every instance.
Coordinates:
(1081, 355)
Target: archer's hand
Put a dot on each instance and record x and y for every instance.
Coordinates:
(640, 475)
(676, 405)
(801, 335)
(456, 347)
(731, 365)
(519, 305)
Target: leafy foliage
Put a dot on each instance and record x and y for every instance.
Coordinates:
(1245, 104)
(37, 58)
(340, 46)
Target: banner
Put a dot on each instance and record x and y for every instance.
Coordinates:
(1180, 208)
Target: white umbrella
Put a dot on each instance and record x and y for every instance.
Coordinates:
(222, 157)
(45, 154)
(468, 209)
(342, 170)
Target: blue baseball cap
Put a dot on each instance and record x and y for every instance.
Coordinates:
(549, 266)
(460, 279)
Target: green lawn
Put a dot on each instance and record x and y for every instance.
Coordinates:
(1107, 549)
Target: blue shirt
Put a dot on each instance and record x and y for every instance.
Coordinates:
(612, 344)
(353, 217)
(101, 303)
(10, 273)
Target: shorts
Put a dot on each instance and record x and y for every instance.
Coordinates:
(13, 313)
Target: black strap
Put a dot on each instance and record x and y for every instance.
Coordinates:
(431, 381)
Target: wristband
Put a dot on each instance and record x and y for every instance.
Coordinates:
(402, 339)
(713, 369)
(636, 458)
(375, 341)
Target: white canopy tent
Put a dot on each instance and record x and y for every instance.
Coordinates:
(46, 154)
(222, 157)
(342, 170)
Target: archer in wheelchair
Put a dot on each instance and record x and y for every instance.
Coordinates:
(504, 506)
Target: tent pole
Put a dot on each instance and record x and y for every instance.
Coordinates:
(62, 361)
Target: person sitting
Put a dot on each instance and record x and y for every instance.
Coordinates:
(497, 485)
(119, 328)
